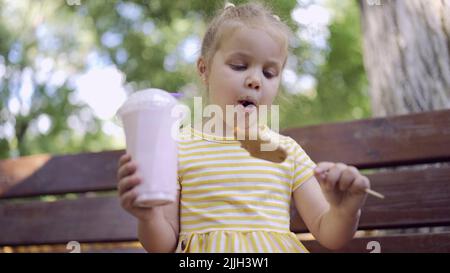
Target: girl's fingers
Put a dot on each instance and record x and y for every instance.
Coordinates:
(127, 199)
(127, 183)
(321, 171)
(124, 159)
(360, 184)
(339, 176)
(347, 179)
(334, 175)
(126, 170)
(323, 167)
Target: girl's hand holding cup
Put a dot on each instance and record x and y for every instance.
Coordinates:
(127, 181)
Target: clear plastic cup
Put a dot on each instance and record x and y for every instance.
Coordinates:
(147, 121)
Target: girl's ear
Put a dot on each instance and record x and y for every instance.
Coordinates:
(201, 68)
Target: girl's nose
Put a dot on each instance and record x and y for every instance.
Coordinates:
(253, 83)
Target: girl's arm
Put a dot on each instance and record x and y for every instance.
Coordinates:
(331, 208)
(158, 231)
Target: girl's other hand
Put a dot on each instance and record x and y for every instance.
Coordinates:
(343, 186)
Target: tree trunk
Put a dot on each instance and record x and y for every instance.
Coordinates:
(407, 54)
(406, 45)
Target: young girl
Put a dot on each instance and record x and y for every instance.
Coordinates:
(230, 201)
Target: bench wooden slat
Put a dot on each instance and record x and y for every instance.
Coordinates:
(404, 243)
(118, 250)
(42, 174)
(399, 140)
(413, 198)
(400, 243)
(96, 219)
(109, 247)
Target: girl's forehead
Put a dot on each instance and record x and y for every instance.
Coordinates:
(253, 40)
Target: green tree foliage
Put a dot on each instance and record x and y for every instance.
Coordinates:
(341, 92)
(144, 40)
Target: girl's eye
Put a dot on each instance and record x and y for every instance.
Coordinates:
(269, 74)
(238, 67)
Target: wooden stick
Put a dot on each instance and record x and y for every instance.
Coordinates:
(374, 193)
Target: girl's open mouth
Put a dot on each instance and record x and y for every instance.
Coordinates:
(247, 103)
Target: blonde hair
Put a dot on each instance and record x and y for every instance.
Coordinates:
(252, 15)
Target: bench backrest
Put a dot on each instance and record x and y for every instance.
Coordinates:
(383, 147)
(87, 209)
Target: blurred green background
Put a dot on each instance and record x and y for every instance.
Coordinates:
(66, 66)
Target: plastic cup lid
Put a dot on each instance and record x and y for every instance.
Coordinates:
(143, 99)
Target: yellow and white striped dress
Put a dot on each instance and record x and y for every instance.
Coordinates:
(233, 202)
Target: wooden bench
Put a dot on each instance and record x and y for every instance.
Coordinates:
(80, 202)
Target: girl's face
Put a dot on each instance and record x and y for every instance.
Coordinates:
(245, 70)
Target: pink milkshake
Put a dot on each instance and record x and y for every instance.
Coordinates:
(147, 121)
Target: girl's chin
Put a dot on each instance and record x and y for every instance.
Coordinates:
(242, 124)
(246, 124)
